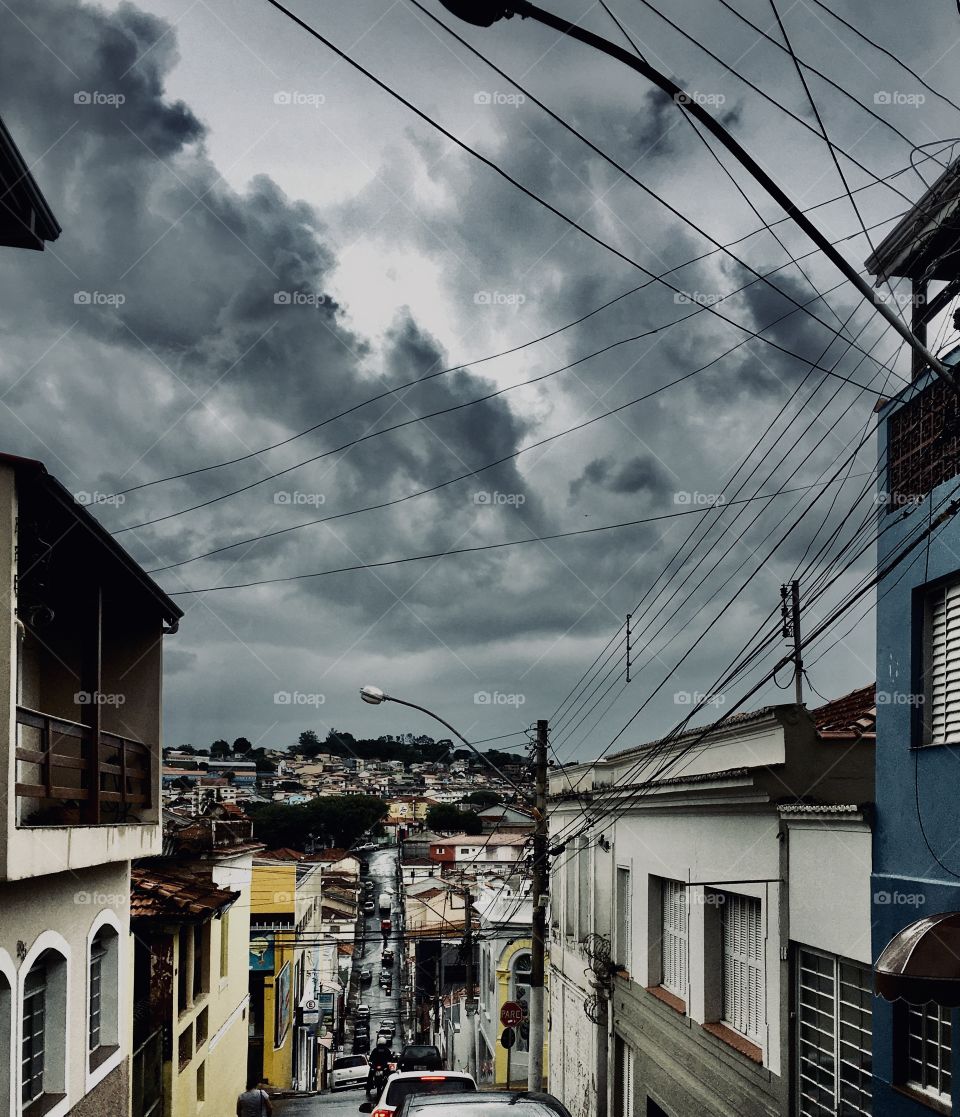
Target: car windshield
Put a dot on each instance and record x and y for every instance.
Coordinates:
(424, 1051)
(349, 1061)
(428, 1084)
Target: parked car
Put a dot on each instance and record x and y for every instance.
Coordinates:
(349, 1070)
(366, 975)
(420, 1056)
(485, 1103)
(402, 1084)
(387, 958)
(369, 907)
(363, 1011)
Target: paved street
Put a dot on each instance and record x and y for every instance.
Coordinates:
(369, 949)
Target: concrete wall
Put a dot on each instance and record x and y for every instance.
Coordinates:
(62, 912)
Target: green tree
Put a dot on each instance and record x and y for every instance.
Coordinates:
(482, 798)
(330, 820)
(219, 750)
(445, 816)
(241, 745)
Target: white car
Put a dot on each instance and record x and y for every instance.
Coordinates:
(403, 1083)
(349, 1070)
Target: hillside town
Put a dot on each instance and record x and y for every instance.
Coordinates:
(697, 856)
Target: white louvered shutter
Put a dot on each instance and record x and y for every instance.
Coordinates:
(674, 938)
(944, 665)
(743, 1007)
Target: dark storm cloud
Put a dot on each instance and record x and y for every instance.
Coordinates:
(638, 474)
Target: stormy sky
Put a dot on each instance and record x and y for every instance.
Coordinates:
(257, 240)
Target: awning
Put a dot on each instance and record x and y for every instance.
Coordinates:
(921, 963)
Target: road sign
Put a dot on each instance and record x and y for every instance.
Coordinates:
(511, 1014)
(508, 1037)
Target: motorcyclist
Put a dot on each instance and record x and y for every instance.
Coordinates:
(380, 1059)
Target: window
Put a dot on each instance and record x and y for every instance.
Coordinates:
(570, 895)
(102, 995)
(97, 956)
(185, 1046)
(927, 1067)
(520, 992)
(623, 1078)
(225, 944)
(943, 666)
(202, 1082)
(203, 1025)
(673, 942)
(834, 1036)
(743, 942)
(584, 888)
(34, 1032)
(623, 921)
(183, 962)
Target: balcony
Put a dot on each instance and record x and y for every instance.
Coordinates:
(69, 774)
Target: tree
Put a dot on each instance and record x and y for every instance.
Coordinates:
(219, 750)
(241, 745)
(482, 798)
(333, 820)
(445, 816)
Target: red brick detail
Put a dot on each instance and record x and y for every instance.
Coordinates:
(735, 1040)
(668, 998)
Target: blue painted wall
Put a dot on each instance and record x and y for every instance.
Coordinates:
(907, 881)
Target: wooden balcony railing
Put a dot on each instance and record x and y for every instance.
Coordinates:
(67, 778)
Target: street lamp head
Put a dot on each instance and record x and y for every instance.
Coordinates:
(372, 694)
(481, 13)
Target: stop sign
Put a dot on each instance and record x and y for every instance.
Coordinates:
(511, 1014)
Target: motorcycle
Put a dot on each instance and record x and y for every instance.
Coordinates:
(380, 1076)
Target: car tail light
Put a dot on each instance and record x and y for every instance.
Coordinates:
(382, 1113)
(434, 1078)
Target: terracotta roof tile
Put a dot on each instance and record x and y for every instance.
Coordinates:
(848, 718)
(176, 892)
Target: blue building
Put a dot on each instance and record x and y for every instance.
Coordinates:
(916, 855)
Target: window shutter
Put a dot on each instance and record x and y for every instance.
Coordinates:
(743, 993)
(944, 665)
(674, 938)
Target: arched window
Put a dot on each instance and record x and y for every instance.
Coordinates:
(102, 996)
(520, 992)
(44, 1028)
(6, 1006)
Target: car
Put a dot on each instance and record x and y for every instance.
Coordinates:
(369, 907)
(349, 1070)
(388, 989)
(384, 1037)
(385, 925)
(363, 1011)
(385, 978)
(387, 958)
(485, 1103)
(401, 1085)
(388, 1025)
(361, 1045)
(420, 1056)
(366, 975)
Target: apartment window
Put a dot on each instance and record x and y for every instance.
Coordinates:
(183, 958)
(202, 1082)
(924, 1032)
(834, 1036)
(585, 889)
(673, 942)
(623, 1078)
(34, 1032)
(203, 1025)
(743, 1008)
(570, 894)
(224, 944)
(185, 1046)
(102, 995)
(97, 957)
(942, 665)
(623, 921)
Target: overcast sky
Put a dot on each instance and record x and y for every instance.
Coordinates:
(256, 238)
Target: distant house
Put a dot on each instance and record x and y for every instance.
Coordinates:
(26, 220)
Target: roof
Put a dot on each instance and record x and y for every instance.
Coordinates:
(26, 219)
(850, 718)
(494, 839)
(282, 854)
(741, 718)
(175, 892)
(36, 471)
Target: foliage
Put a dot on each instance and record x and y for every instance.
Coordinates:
(219, 750)
(329, 820)
(241, 745)
(445, 816)
(482, 798)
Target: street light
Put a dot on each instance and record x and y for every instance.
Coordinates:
(484, 13)
(374, 696)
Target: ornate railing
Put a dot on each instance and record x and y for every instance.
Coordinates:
(67, 778)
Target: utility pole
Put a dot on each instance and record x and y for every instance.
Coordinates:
(470, 1005)
(541, 893)
(791, 628)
